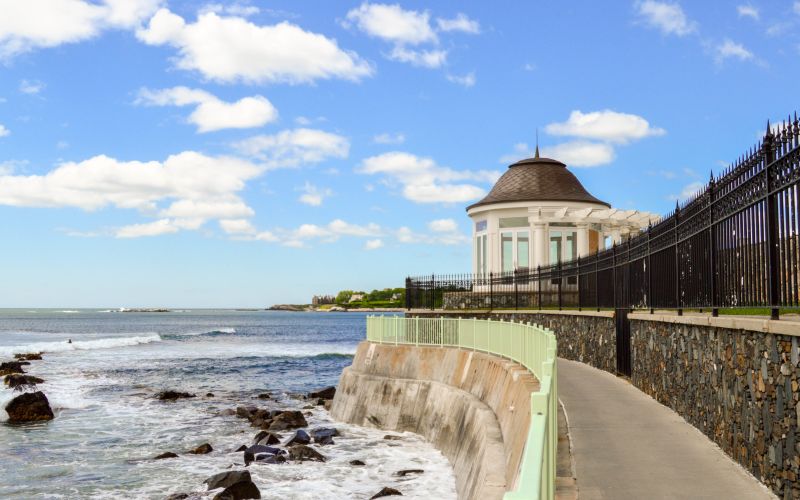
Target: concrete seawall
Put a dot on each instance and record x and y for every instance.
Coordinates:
(474, 407)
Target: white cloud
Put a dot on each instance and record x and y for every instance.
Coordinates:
(223, 208)
(688, 191)
(443, 226)
(392, 23)
(31, 24)
(292, 148)
(467, 80)
(451, 236)
(604, 125)
(313, 196)
(31, 87)
(668, 17)
(155, 228)
(422, 58)
(796, 7)
(373, 244)
(423, 181)
(459, 23)
(233, 49)
(748, 11)
(580, 153)
(529, 67)
(211, 113)
(236, 9)
(4, 131)
(730, 49)
(389, 138)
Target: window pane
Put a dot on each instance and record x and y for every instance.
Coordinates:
(480, 226)
(478, 264)
(507, 251)
(555, 247)
(523, 252)
(513, 222)
(572, 247)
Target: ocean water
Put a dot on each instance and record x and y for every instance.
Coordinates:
(108, 424)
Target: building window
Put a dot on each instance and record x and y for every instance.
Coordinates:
(480, 226)
(563, 246)
(507, 251)
(480, 254)
(523, 250)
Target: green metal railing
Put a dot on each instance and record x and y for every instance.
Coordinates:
(531, 346)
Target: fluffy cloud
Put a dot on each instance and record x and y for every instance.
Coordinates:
(313, 196)
(796, 7)
(667, 17)
(31, 87)
(155, 228)
(443, 226)
(4, 131)
(604, 125)
(211, 113)
(233, 49)
(748, 11)
(730, 49)
(442, 232)
(30, 24)
(459, 23)
(388, 138)
(392, 23)
(581, 153)
(688, 191)
(292, 148)
(421, 58)
(423, 181)
(373, 244)
(467, 80)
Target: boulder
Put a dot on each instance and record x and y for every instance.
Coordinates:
(229, 412)
(245, 411)
(243, 490)
(405, 472)
(390, 437)
(302, 453)
(178, 496)
(270, 459)
(241, 448)
(209, 394)
(386, 492)
(323, 432)
(324, 441)
(357, 463)
(288, 420)
(10, 367)
(173, 395)
(265, 395)
(203, 449)
(168, 454)
(265, 437)
(326, 393)
(225, 479)
(29, 407)
(37, 356)
(18, 380)
(259, 451)
(300, 437)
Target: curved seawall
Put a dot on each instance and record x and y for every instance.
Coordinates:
(474, 407)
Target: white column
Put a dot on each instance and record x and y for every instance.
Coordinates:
(616, 236)
(601, 239)
(582, 239)
(493, 244)
(539, 244)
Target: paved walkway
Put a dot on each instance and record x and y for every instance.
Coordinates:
(626, 445)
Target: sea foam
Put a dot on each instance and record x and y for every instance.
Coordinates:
(78, 345)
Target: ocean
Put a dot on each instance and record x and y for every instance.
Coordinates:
(109, 425)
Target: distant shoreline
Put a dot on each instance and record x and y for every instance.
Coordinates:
(308, 308)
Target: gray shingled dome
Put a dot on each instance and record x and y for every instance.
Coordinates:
(537, 179)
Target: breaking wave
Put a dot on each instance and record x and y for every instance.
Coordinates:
(78, 345)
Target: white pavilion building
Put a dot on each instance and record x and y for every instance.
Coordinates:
(538, 213)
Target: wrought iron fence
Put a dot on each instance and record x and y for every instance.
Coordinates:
(734, 244)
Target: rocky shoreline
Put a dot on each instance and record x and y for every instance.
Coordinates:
(306, 308)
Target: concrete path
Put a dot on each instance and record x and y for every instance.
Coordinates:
(626, 445)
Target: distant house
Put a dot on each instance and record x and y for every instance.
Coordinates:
(396, 297)
(318, 300)
(356, 297)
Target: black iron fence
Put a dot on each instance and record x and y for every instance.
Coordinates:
(734, 244)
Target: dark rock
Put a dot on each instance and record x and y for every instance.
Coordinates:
(240, 491)
(203, 449)
(324, 441)
(322, 432)
(173, 395)
(308, 407)
(326, 393)
(265, 396)
(252, 453)
(301, 453)
(178, 496)
(390, 437)
(10, 367)
(300, 437)
(405, 472)
(328, 404)
(227, 413)
(226, 479)
(18, 380)
(28, 357)
(288, 420)
(270, 459)
(241, 448)
(265, 437)
(29, 407)
(209, 394)
(357, 463)
(386, 492)
(168, 454)
(245, 411)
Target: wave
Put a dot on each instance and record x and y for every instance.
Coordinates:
(69, 311)
(207, 333)
(78, 345)
(332, 355)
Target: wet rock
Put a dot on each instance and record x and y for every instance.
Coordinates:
(226, 479)
(322, 432)
(357, 463)
(270, 459)
(308, 407)
(173, 395)
(390, 437)
(203, 449)
(265, 437)
(209, 394)
(260, 452)
(265, 395)
(386, 492)
(326, 393)
(300, 437)
(243, 490)
(328, 404)
(178, 496)
(245, 411)
(405, 472)
(28, 357)
(168, 454)
(10, 367)
(324, 441)
(227, 413)
(241, 448)
(302, 453)
(18, 380)
(288, 420)
(29, 407)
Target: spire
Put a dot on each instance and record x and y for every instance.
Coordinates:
(536, 155)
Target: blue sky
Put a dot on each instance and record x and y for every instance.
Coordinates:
(171, 153)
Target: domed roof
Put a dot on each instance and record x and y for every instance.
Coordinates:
(537, 179)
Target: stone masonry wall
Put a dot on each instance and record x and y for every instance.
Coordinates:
(738, 387)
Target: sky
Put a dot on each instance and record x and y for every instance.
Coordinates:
(170, 153)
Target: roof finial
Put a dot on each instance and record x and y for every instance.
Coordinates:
(536, 155)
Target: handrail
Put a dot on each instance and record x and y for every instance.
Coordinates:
(534, 347)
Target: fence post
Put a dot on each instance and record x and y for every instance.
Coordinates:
(614, 273)
(539, 284)
(677, 261)
(433, 292)
(416, 330)
(560, 282)
(580, 303)
(491, 290)
(712, 235)
(408, 294)
(516, 296)
(649, 270)
(441, 331)
(772, 228)
(597, 277)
